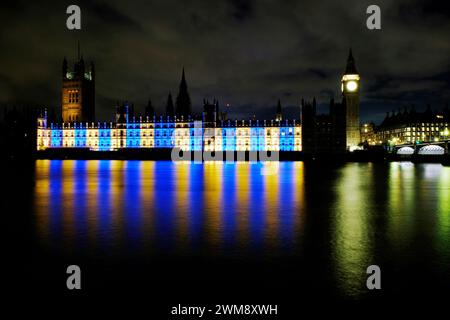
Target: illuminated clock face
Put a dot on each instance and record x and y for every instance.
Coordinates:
(351, 86)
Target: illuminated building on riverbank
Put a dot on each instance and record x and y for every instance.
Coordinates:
(169, 132)
(213, 131)
(410, 126)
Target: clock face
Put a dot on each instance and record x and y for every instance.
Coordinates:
(351, 86)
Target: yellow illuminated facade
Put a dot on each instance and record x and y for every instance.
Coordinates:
(168, 133)
(412, 127)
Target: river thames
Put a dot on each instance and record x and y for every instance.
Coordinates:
(308, 225)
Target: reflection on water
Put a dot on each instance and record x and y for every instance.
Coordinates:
(162, 205)
(354, 215)
(353, 228)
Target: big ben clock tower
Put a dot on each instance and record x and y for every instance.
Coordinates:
(350, 99)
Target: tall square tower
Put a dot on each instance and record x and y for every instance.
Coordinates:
(78, 92)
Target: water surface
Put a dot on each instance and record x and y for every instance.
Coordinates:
(331, 221)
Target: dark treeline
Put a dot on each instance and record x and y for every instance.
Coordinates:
(18, 130)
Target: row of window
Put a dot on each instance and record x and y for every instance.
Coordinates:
(425, 129)
(74, 97)
(186, 126)
(82, 134)
(137, 134)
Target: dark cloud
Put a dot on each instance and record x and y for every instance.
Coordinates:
(317, 72)
(241, 10)
(109, 14)
(245, 53)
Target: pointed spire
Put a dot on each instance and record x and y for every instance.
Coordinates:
(149, 110)
(279, 106)
(183, 103)
(351, 66)
(279, 115)
(183, 77)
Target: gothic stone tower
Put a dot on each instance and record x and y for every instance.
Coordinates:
(78, 92)
(350, 99)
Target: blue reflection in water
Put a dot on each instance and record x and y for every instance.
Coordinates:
(54, 199)
(164, 204)
(196, 218)
(257, 213)
(229, 205)
(223, 207)
(287, 209)
(78, 177)
(103, 207)
(129, 207)
(132, 204)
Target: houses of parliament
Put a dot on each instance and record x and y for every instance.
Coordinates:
(336, 132)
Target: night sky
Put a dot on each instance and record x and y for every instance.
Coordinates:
(245, 53)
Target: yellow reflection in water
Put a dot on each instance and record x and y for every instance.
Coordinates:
(95, 201)
(42, 200)
(352, 236)
(212, 198)
(92, 188)
(147, 175)
(243, 181)
(443, 233)
(116, 201)
(272, 210)
(401, 184)
(68, 199)
(182, 203)
(298, 184)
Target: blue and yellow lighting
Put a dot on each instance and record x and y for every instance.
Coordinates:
(169, 133)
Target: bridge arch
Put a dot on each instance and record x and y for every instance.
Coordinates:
(405, 151)
(432, 150)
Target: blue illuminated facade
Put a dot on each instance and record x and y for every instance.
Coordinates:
(164, 132)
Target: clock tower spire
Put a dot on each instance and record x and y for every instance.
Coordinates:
(351, 66)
